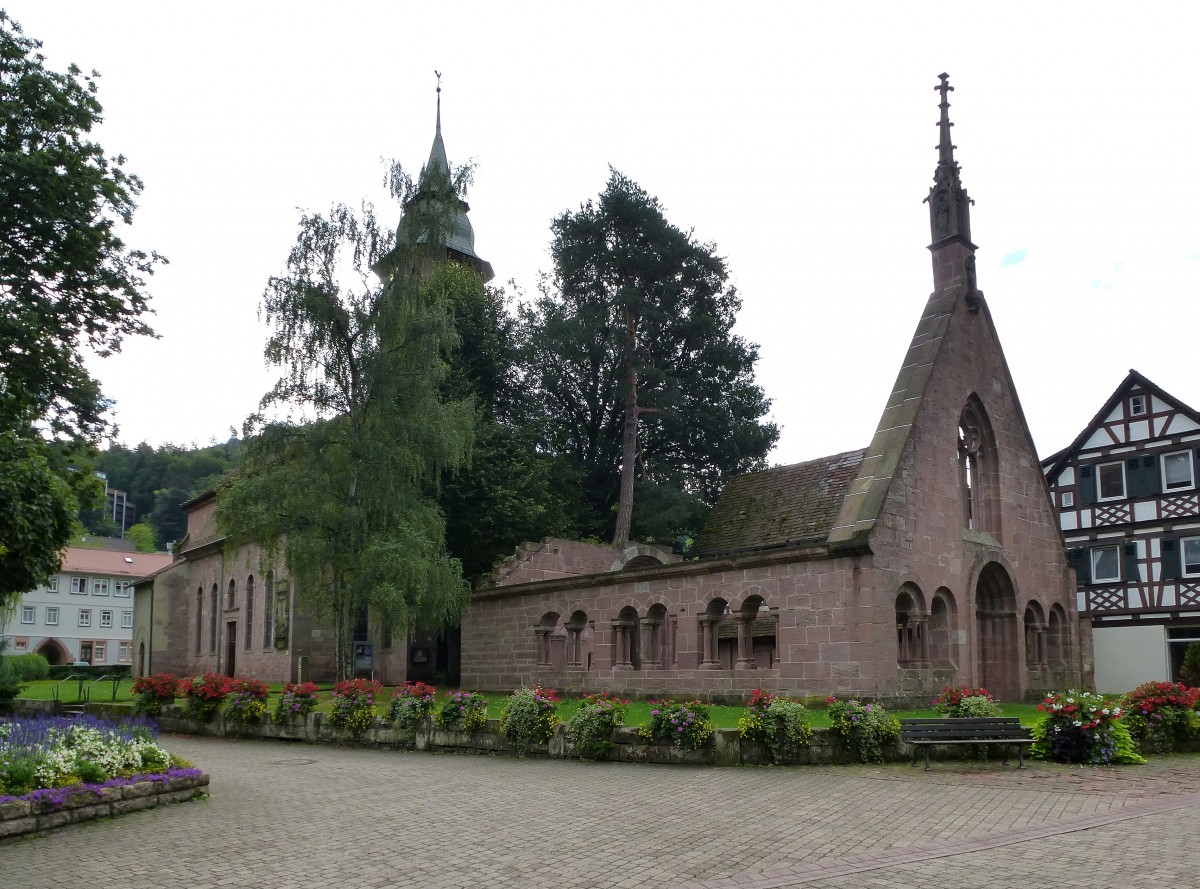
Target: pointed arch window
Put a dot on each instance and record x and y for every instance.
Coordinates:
(978, 468)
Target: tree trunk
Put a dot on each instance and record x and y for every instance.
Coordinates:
(629, 439)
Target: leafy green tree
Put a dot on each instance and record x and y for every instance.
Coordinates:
(142, 536)
(337, 478)
(631, 358)
(68, 284)
(509, 492)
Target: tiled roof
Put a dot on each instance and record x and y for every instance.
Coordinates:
(80, 560)
(787, 504)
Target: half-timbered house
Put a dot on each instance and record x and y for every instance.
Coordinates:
(1129, 506)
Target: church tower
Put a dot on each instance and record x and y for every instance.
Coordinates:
(437, 204)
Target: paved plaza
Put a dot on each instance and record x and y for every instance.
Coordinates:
(287, 816)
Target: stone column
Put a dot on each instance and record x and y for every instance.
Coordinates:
(621, 659)
(745, 659)
(543, 646)
(574, 646)
(708, 633)
(651, 644)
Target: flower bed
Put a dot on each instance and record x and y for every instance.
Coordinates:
(57, 770)
(1161, 716)
(1080, 726)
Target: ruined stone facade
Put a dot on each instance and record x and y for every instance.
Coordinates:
(933, 556)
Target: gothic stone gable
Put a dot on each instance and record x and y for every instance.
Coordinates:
(967, 557)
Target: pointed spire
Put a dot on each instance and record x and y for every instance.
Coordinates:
(437, 154)
(949, 205)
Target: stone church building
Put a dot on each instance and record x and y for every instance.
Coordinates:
(931, 556)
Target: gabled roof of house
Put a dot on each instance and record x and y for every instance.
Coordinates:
(1053, 464)
(81, 560)
(781, 506)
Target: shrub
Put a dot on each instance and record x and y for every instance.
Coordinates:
(296, 701)
(962, 702)
(863, 729)
(204, 694)
(683, 724)
(353, 708)
(1189, 670)
(29, 667)
(461, 711)
(410, 705)
(528, 718)
(247, 701)
(1161, 716)
(10, 683)
(1080, 726)
(779, 722)
(590, 729)
(152, 692)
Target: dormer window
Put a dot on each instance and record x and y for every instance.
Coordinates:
(1111, 479)
(1137, 406)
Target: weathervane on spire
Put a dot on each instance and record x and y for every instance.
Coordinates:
(439, 100)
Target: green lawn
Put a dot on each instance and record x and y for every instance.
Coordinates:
(637, 714)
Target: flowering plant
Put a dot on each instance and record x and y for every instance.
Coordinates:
(961, 701)
(411, 703)
(296, 701)
(462, 711)
(528, 718)
(154, 691)
(204, 694)
(1161, 716)
(590, 728)
(247, 701)
(354, 705)
(683, 724)
(863, 729)
(57, 751)
(1081, 726)
(779, 722)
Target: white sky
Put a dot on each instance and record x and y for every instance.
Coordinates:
(800, 138)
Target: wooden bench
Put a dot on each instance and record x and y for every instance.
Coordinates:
(1006, 730)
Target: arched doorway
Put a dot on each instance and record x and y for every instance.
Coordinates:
(54, 652)
(996, 615)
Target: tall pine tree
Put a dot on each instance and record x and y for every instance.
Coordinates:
(637, 375)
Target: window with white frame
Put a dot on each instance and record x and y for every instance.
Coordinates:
(125, 652)
(100, 587)
(126, 620)
(99, 653)
(1189, 556)
(1177, 471)
(1137, 406)
(51, 616)
(1111, 477)
(121, 588)
(52, 584)
(106, 619)
(85, 617)
(79, 586)
(1106, 564)
(27, 614)
(1067, 498)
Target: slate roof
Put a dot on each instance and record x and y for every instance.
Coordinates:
(780, 506)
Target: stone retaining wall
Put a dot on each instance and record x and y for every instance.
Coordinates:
(21, 817)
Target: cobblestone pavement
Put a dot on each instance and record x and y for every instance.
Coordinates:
(290, 815)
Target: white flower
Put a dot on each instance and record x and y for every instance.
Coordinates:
(1076, 723)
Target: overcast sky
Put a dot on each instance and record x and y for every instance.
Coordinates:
(799, 138)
